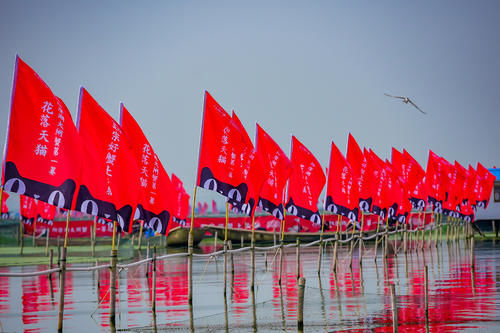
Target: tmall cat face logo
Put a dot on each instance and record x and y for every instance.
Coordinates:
(234, 194)
(302, 212)
(157, 222)
(268, 206)
(88, 204)
(60, 196)
(341, 210)
(365, 204)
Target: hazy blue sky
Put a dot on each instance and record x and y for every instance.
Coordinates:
(315, 69)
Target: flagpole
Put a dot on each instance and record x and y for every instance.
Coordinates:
(190, 238)
(376, 237)
(62, 275)
(113, 247)
(1, 201)
(337, 239)
(361, 238)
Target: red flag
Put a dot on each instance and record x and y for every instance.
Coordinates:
(277, 169)
(5, 208)
(466, 211)
(380, 177)
(487, 180)
(418, 196)
(251, 167)
(434, 179)
(218, 167)
(412, 172)
(156, 201)
(181, 212)
(27, 208)
(342, 189)
(306, 183)
(393, 191)
(360, 166)
(46, 211)
(43, 153)
(109, 186)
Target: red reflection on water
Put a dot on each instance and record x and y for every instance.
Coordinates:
(4, 291)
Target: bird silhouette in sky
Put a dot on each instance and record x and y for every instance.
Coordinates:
(406, 100)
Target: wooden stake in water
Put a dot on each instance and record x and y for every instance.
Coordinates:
(47, 237)
(153, 306)
(377, 238)
(62, 275)
(320, 250)
(140, 234)
(300, 308)
(394, 307)
(298, 257)
(112, 280)
(225, 248)
(34, 231)
(426, 282)
(215, 241)
(21, 231)
(252, 258)
(335, 248)
(472, 253)
(361, 240)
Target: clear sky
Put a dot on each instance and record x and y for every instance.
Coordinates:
(315, 69)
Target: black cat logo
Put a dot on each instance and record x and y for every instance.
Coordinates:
(332, 207)
(268, 206)
(86, 203)
(301, 212)
(157, 222)
(60, 196)
(234, 194)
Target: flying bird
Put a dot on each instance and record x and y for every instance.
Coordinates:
(406, 100)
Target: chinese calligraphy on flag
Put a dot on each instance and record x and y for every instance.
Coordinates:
(155, 203)
(305, 184)
(342, 196)
(109, 182)
(43, 151)
(219, 168)
(277, 170)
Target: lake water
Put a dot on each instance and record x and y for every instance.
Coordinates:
(350, 300)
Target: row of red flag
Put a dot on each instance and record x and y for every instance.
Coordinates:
(99, 167)
(360, 182)
(109, 169)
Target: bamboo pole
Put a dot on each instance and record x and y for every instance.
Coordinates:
(351, 243)
(34, 231)
(394, 307)
(225, 248)
(298, 257)
(153, 306)
(215, 241)
(320, 250)
(300, 308)
(1, 201)
(386, 237)
(337, 239)
(472, 253)
(140, 234)
(47, 237)
(281, 245)
(62, 276)
(252, 259)
(426, 282)
(21, 231)
(376, 238)
(361, 240)
(92, 241)
(112, 281)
